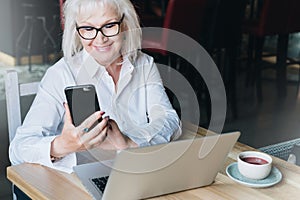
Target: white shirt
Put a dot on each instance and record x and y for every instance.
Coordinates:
(138, 104)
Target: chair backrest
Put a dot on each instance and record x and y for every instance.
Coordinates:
(223, 23)
(13, 91)
(185, 16)
(273, 17)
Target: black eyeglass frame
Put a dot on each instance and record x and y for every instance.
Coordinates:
(100, 29)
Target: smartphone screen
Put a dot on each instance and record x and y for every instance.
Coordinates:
(82, 101)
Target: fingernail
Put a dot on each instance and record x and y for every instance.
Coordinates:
(102, 112)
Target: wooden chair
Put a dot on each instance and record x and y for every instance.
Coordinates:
(222, 39)
(14, 91)
(293, 26)
(186, 17)
(272, 20)
(178, 19)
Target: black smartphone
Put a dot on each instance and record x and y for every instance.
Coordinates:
(82, 101)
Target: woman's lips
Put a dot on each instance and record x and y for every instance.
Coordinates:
(104, 48)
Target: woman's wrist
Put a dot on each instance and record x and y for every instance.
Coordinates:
(56, 150)
(130, 143)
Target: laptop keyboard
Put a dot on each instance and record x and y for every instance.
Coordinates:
(100, 182)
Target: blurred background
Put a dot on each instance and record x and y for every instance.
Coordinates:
(254, 43)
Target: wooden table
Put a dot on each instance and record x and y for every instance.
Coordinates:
(41, 182)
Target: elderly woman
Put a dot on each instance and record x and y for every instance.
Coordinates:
(101, 46)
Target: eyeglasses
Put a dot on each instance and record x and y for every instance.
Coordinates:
(108, 30)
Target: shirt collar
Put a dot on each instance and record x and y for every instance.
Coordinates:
(127, 67)
(92, 66)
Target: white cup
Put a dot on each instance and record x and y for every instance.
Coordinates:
(254, 164)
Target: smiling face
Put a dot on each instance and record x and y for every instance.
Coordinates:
(105, 50)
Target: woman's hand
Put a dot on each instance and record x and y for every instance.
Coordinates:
(115, 140)
(74, 139)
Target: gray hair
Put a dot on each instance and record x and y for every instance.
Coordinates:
(71, 42)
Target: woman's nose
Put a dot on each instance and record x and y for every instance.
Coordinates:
(100, 38)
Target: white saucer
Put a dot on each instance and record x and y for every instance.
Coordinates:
(274, 177)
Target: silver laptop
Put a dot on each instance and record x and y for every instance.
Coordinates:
(156, 170)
